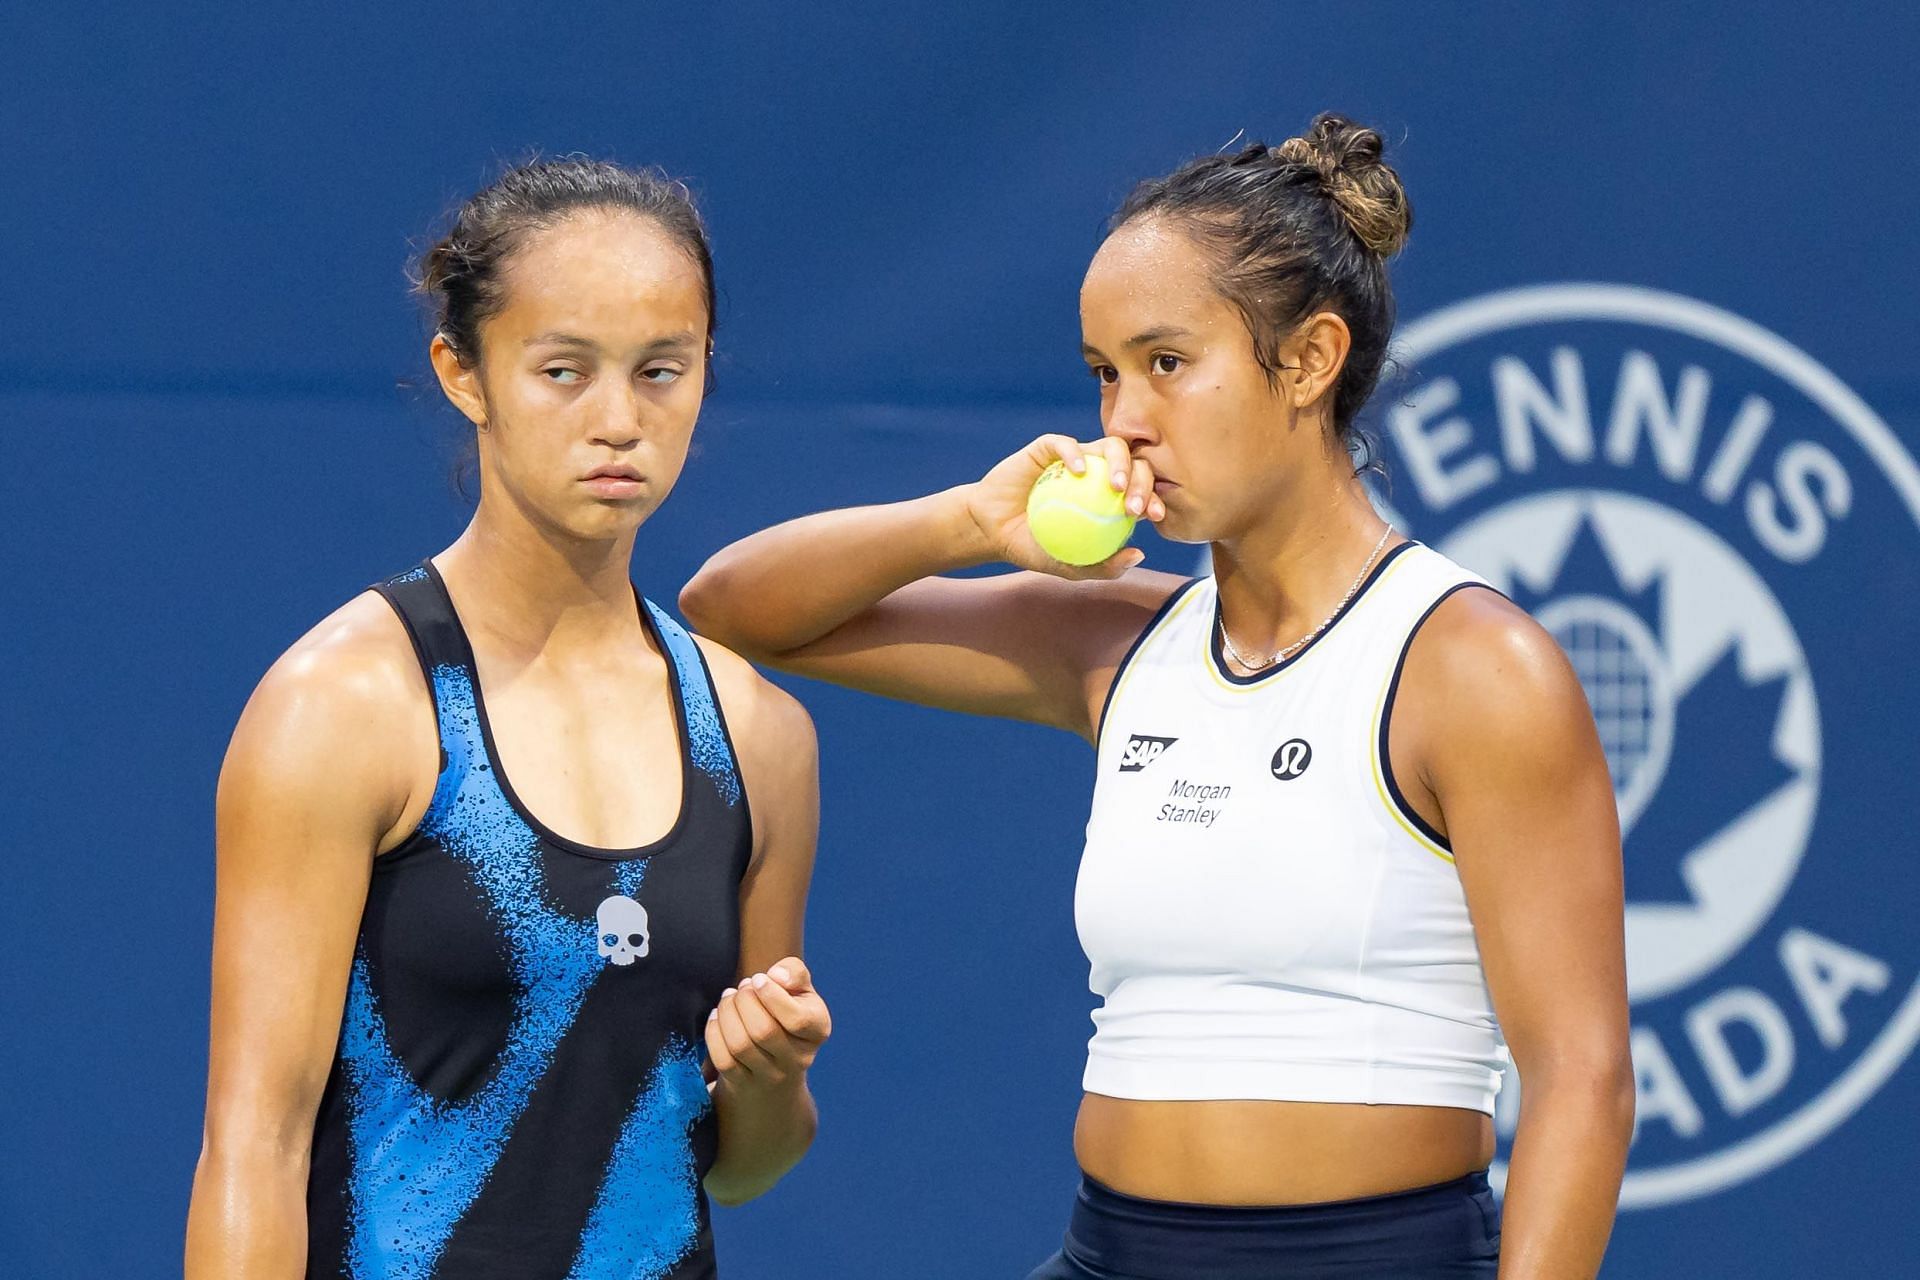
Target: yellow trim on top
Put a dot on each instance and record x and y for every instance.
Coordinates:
(1380, 781)
(1262, 682)
(1192, 591)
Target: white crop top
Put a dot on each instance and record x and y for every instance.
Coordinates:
(1265, 918)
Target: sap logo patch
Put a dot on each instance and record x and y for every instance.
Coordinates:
(1142, 751)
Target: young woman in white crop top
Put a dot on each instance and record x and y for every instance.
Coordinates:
(1353, 834)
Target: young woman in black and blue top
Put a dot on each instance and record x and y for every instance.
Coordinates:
(498, 840)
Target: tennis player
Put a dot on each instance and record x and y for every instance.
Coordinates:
(1352, 833)
(498, 839)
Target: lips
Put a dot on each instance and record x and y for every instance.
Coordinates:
(614, 482)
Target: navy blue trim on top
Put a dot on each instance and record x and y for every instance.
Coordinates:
(719, 711)
(1219, 653)
(1166, 607)
(1386, 716)
(389, 591)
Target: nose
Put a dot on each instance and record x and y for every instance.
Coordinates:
(617, 424)
(1129, 418)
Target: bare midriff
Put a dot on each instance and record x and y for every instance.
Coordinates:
(1275, 1153)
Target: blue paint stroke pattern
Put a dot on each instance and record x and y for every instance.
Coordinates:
(629, 874)
(706, 739)
(646, 1217)
(419, 1162)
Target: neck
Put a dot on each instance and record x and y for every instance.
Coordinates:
(1283, 576)
(528, 585)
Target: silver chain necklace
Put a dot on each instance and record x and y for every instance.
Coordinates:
(1251, 666)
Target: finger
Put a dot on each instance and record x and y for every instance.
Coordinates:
(717, 1051)
(758, 1020)
(1112, 567)
(734, 1030)
(802, 1019)
(1119, 462)
(793, 974)
(1065, 448)
(1140, 499)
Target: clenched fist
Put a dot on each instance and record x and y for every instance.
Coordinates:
(767, 1030)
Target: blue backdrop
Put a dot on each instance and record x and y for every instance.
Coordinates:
(1699, 477)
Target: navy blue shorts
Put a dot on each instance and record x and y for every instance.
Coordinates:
(1429, 1233)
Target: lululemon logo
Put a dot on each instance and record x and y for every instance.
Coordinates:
(1292, 759)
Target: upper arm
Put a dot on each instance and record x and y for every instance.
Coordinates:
(1023, 645)
(313, 782)
(1513, 759)
(780, 770)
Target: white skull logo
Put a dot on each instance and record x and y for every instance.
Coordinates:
(623, 929)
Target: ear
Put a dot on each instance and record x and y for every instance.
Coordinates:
(1317, 350)
(460, 381)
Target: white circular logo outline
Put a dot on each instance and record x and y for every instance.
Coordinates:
(1546, 303)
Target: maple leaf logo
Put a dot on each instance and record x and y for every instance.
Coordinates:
(1686, 762)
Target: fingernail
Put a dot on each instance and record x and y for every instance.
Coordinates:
(728, 992)
(1136, 506)
(712, 1014)
(1120, 480)
(779, 974)
(1077, 465)
(759, 980)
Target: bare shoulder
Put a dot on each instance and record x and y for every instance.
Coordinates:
(358, 661)
(756, 707)
(778, 751)
(349, 696)
(1482, 666)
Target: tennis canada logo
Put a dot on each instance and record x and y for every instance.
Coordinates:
(1716, 530)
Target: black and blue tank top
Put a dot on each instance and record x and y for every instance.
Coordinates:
(517, 1091)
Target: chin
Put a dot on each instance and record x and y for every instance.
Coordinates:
(609, 520)
(1180, 526)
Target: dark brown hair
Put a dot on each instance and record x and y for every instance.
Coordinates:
(461, 275)
(1304, 226)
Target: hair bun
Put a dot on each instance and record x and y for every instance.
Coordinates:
(1361, 185)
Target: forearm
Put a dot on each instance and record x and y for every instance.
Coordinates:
(789, 585)
(1563, 1181)
(248, 1217)
(764, 1130)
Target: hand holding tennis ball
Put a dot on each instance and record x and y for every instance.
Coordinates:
(1078, 519)
(1065, 508)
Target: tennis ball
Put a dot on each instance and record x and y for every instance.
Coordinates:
(1078, 519)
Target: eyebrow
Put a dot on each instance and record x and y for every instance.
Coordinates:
(553, 337)
(1159, 333)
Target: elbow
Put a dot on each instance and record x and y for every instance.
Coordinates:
(704, 601)
(726, 1194)
(224, 1150)
(1600, 1083)
(700, 604)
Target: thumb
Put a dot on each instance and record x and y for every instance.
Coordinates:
(792, 973)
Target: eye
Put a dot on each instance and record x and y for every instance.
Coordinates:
(661, 374)
(1105, 374)
(562, 375)
(1167, 362)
